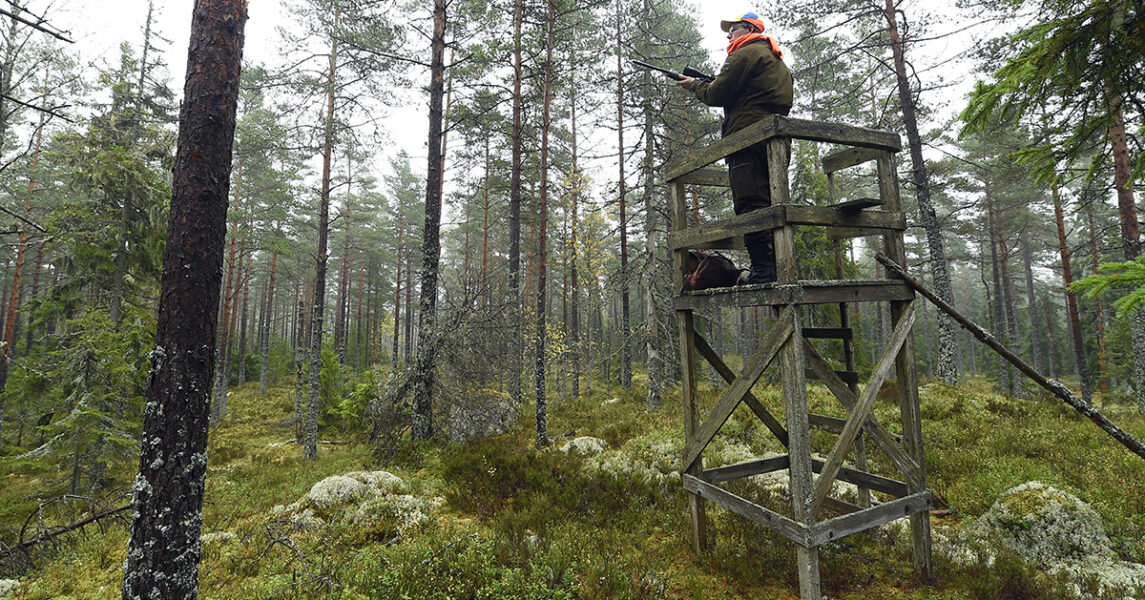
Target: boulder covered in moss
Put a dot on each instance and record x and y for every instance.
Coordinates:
(7, 586)
(1046, 525)
(360, 497)
(585, 446)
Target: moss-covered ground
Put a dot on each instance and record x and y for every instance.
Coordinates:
(518, 522)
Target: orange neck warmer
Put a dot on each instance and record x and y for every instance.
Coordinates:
(737, 43)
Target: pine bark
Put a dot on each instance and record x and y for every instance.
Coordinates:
(517, 143)
(318, 305)
(1031, 301)
(423, 375)
(1130, 238)
(947, 333)
(652, 362)
(625, 319)
(163, 552)
(1071, 302)
(264, 350)
(542, 237)
(1103, 368)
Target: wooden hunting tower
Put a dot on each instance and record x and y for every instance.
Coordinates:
(790, 341)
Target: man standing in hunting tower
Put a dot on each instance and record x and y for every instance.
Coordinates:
(753, 83)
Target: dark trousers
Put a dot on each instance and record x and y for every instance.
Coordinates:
(751, 190)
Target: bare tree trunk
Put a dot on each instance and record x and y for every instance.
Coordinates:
(1052, 358)
(625, 319)
(423, 375)
(1071, 302)
(218, 402)
(1103, 368)
(1011, 305)
(163, 552)
(1000, 325)
(517, 142)
(1031, 300)
(574, 287)
(318, 306)
(243, 317)
(652, 361)
(947, 334)
(264, 350)
(1130, 238)
(542, 237)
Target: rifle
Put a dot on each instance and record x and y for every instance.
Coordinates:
(688, 72)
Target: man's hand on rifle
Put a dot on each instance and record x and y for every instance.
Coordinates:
(685, 82)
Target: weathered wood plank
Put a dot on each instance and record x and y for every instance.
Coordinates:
(752, 402)
(843, 159)
(861, 478)
(862, 408)
(756, 220)
(770, 519)
(746, 469)
(765, 128)
(839, 527)
(776, 126)
(883, 439)
(838, 133)
(856, 204)
(869, 222)
(775, 340)
(710, 176)
(829, 216)
(804, 292)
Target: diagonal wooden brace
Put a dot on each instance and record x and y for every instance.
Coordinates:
(883, 438)
(862, 408)
(768, 349)
(773, 424)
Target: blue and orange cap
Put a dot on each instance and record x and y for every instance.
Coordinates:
(748, 17)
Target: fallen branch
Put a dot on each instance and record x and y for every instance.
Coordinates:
(24, 545)
(1057, 388)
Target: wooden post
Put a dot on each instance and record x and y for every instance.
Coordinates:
(907, 382)
(687, 329)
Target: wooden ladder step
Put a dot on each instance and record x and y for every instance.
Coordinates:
(857, 204)
(828, 333)
(846, 376)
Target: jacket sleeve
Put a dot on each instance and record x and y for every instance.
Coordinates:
(727, 85)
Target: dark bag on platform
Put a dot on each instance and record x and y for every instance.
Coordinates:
(709, 270)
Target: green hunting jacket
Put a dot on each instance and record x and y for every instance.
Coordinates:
(752, 84)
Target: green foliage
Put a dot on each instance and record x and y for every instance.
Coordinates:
(91, 389)
(1127, 274)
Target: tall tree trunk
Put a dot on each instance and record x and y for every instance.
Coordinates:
(243, 317)
(1130, 238)
(218, 401)
(517, 142)
(652, 362)
(1103, 368)
(1031, 300)
(318, 306)
(397, 301)
(574, 284)
(1052, 359)
(1071, 302)
(1001, 323)
(542, 236)
(423, 375)
(947, 333)
(625, 319)
(342, 318)
(1011, 305)
(163, 551)
(264, 350)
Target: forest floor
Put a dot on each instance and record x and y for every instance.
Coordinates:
(499, 518)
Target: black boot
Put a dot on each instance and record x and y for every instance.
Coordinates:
(761, 249)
